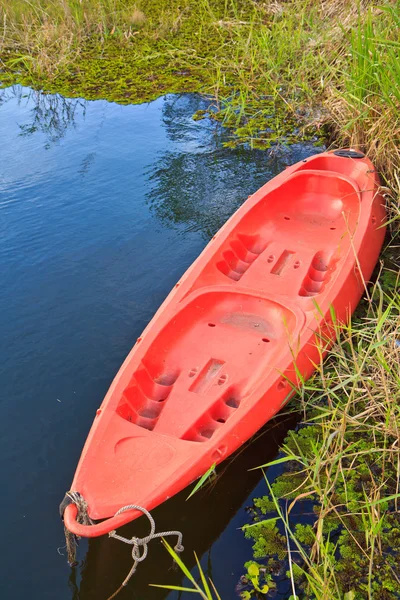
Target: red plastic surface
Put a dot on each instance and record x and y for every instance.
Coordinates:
(217, 360)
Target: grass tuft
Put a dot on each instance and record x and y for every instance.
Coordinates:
(337, 500)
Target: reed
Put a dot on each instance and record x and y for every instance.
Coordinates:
(365, 106)
(333, 513)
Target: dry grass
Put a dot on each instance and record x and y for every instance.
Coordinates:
(365, 104)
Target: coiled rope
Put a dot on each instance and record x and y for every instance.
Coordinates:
(139, 545)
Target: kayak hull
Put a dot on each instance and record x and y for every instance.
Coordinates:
(226, 350)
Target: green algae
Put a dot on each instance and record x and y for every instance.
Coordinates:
(258, 580)
(111, 72)
(348, 548)
(206, 47)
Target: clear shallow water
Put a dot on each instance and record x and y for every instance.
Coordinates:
(102, 208)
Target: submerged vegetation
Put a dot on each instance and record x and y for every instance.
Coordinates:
(275, 72)
(331, 520)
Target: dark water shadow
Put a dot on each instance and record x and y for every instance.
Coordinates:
(202, 520)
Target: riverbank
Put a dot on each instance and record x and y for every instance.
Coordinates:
(274, 73)
(331, 520)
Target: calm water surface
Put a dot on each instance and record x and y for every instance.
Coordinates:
(102, 208)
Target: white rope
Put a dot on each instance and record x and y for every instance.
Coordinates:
(138, 543)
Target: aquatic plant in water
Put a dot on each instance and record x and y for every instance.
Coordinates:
(329, 526)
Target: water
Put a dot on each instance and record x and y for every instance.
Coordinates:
(102, 208)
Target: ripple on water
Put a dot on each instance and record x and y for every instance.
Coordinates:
(102, 208)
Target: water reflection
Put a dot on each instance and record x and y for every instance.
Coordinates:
(50, 114)
(199, 183)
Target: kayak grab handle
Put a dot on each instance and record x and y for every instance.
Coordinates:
(97, 529)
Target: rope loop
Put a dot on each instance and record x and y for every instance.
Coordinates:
(139, 543)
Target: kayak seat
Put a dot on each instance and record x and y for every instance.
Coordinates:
(144, 397)
(293, 236)
(204, 359)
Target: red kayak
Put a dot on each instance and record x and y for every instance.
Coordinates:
(224, 352)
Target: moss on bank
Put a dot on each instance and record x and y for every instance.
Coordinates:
(261, 64)
(276, 71)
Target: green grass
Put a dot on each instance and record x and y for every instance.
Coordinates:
(257, 62)
(366, 104)
(332, 519)
(205, 588)
(275, 71)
